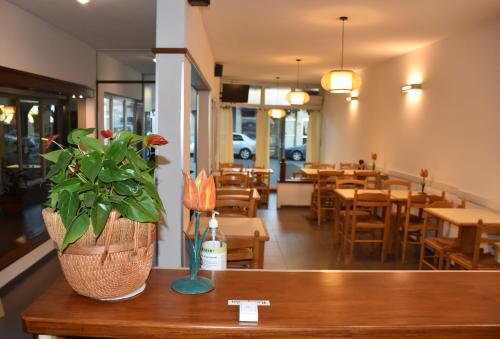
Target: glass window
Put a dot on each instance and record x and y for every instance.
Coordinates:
(237, 137)
(254, 95)
(118, 114)
(276, 96)
(130, 115)
(245, 128)
(193, 125)
(107, 113)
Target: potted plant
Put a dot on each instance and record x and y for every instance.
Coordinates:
(102, 207)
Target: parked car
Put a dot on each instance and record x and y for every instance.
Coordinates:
(243, 145)
(297, 153)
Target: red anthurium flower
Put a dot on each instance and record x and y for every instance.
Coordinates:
(77, 168)
(424, 173)
(155, 139)
(50, 140)
(107, 133)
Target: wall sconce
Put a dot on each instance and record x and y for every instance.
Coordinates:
(410, 87)
(353, 98)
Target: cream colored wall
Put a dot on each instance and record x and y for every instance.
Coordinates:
(451, 127)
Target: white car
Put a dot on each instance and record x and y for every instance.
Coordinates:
(243, 146)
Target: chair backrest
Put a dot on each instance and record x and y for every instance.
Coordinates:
(234, 193)
(233, 207)
(229, 179)
(348, 165)
(351, 183)
(371, 177)
(260, 179)
(319, 165)
(244, 252)
(230, 165)
(420, 201)
(325, 180)
(372, 199)
(396, 183)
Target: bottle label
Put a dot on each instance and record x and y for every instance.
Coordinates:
(213, 255)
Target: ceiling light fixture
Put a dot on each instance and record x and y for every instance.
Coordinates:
(410, 87)
(297, 96)
(154, 59)
(83, 2)
(276, 113)
(349, 99)
(341, 80)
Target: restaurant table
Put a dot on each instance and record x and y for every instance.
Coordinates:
(350, 304)
(246, 170)
(347, 172)
(466, 219)
(236, 227)
(254, 203)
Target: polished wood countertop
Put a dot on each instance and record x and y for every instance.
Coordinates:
(304, 303)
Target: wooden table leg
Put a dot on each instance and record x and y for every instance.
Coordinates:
(2, 311)
(347, 220)
(394, 239)
(336, 220)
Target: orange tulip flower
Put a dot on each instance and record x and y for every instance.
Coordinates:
(374, 156)
(199, 194)
(424, 173)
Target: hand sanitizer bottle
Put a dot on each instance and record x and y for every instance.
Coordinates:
(214, 249)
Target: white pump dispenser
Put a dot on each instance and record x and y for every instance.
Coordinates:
(214, 250)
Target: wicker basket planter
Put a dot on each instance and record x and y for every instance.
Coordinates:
(115, 264)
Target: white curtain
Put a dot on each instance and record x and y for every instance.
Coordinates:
(225, 134)
(313, 136)
(262, 147)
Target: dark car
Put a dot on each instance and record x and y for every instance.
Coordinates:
(296, 153)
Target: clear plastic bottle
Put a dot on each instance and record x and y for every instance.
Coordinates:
(214, 248)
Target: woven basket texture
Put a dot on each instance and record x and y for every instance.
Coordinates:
(96, 273)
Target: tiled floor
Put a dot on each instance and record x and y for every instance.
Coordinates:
(299, 243)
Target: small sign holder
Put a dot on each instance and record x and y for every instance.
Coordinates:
(249, 311)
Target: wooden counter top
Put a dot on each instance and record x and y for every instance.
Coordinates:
(319, 303)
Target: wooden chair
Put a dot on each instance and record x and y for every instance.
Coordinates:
(244, 252)
(234, 207)
(371, 177)
(323, 196)
(319, 165)
(477, 260)
(231, 165)
(363, 223)
(261, 181)
(438, 245)
(232, 179)
(413, 224)
(392, 184)
(351, 183)
(348, 165)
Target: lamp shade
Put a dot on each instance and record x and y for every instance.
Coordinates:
(340, 81)
(297, 97)
(276, 113)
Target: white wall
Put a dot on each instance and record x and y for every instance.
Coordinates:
(32, 45)
(450, 127)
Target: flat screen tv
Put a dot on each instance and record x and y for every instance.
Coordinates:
(235, 93)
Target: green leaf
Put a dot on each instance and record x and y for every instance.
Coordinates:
(53, 199)
(76, 230)
(99, 215)
(92, 144)
(130, 169)
(54, 169)
(136, 159)
(52, 156)
(75, 135)
(153, 193)
(70, 185)
(64, 160)
(89, 198)
(59, 177)
(141, 210)
(111, 172)
(129, 137)
(91, 165)
(121, 207)
(68, 206)
(116, 151)
(146, 177)
(127, 187)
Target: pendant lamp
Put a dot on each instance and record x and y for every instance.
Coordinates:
(341, 80)
(297, 96)
(276, 113)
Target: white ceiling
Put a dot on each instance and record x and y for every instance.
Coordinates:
(258, 40)
(141, 61)
(103, 24)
